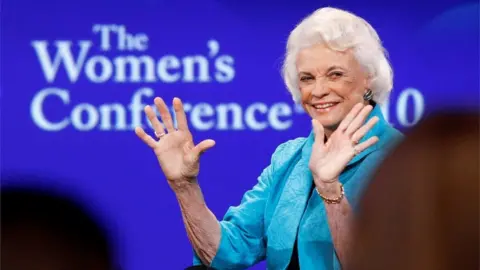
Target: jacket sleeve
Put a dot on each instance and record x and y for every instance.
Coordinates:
(242, 241)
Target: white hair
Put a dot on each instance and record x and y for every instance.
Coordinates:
(340, 30)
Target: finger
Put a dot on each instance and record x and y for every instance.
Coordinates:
(318, 131)
(152, 117)
(350, 116)
(364, 145)
(358, 135)
(359, 120)
(145, 137)
(203, 146)
(182, 123)
(164, 114)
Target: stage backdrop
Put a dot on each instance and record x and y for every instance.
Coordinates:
(77, 74)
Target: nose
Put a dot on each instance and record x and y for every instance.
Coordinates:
(321, 88)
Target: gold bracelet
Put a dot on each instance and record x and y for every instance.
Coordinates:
(333, 200)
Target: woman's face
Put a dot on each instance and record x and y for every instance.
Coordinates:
(331, 83)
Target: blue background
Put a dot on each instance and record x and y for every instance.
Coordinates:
(433, 49)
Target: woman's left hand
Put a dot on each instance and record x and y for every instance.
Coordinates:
(329, 159)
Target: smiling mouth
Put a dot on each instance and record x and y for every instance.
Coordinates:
(324, 107)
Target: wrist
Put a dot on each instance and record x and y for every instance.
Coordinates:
(329, 198)
(191, 201)
(329, 189)
(327, 186)
(189, 193)
(183, 185)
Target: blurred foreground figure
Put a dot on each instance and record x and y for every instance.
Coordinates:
(421, 210)
(44, 231)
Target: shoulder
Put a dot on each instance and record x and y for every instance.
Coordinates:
(389, 139)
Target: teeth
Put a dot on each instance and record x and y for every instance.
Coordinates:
(323, 106)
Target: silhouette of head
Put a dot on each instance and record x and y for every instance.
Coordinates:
(44, 230)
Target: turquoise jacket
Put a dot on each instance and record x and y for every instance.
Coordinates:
(283, 206)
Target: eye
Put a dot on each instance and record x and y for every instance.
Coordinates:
(306, 78)
(335, 74)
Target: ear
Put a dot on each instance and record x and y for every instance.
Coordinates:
(367, 82)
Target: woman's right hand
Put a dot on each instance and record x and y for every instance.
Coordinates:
(175, 150)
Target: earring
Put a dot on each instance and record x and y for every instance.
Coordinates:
(368, 95)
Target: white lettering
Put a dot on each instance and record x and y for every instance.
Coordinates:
(129, 41)
(165, 64)
(250, 118)
(189, 64)
(277, 111)
(104, 35)
(199, 111)
(120, 114)
(223, 111)
(141, 42)
(106, 69)
(224, 69)
(136, 106)
(36, 109)
(100, 68)
(91, 117)
(119, 117)
(402, 104)
(135, 64)
(63, 56)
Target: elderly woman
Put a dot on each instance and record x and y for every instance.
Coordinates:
(299, 213)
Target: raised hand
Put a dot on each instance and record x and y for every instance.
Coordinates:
(329, 159)
(175, 150)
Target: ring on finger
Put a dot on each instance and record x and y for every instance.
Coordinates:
(355, 151)
(159, 135)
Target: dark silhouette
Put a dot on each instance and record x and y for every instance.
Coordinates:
(44, 230)
(421, 210)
